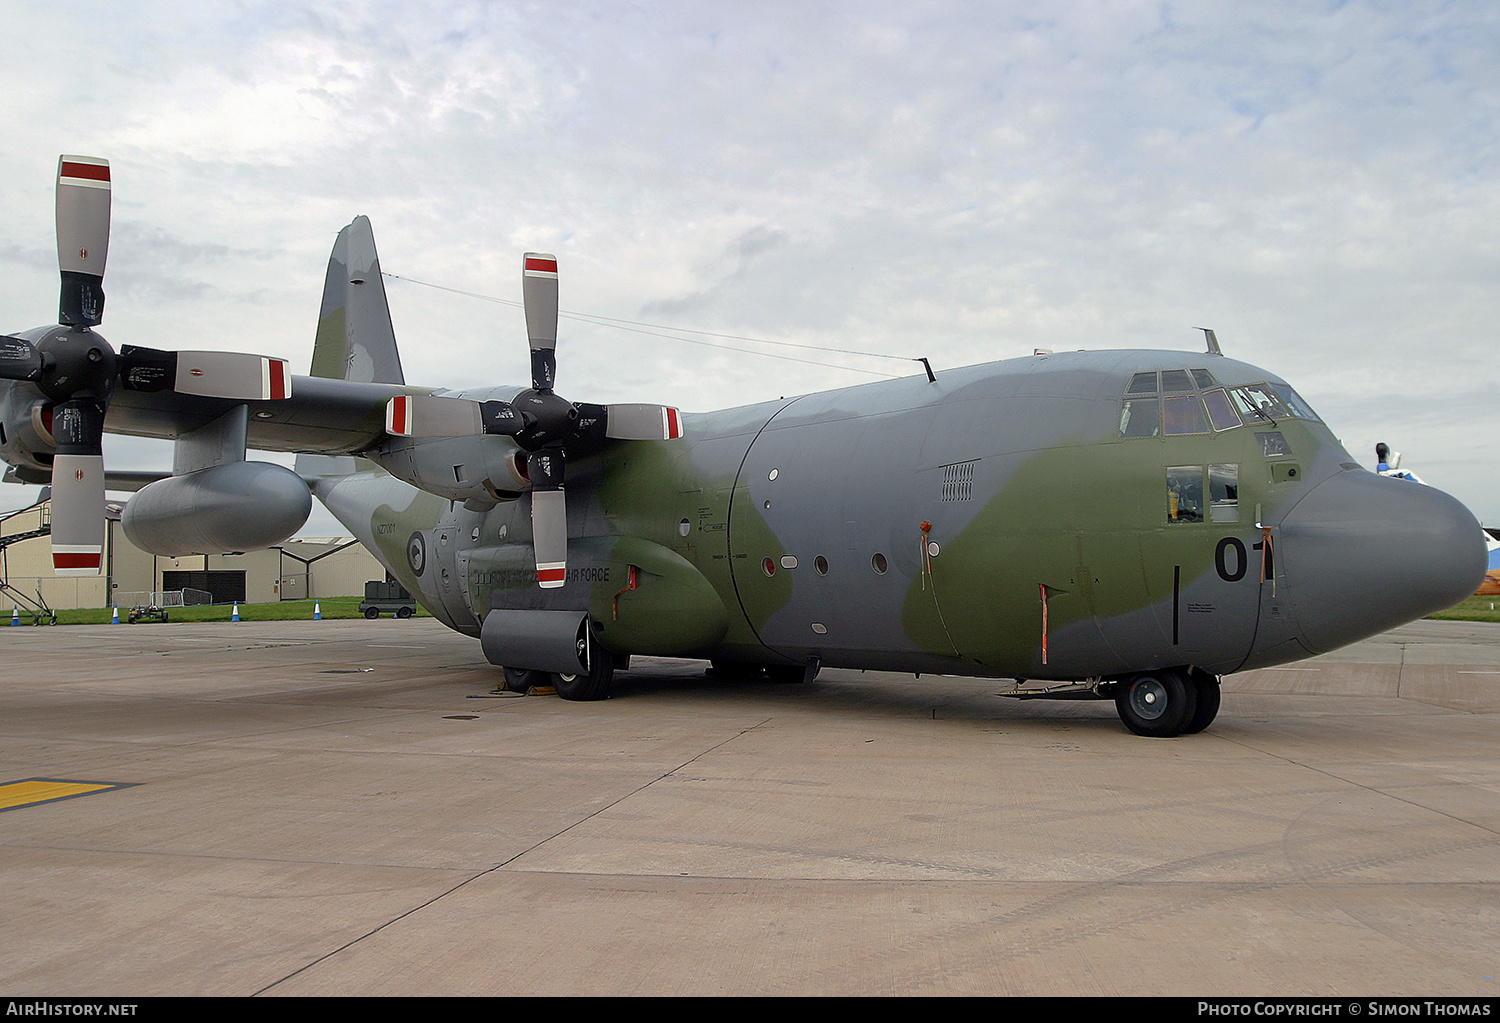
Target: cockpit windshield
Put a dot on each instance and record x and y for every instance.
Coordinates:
(1188, 401)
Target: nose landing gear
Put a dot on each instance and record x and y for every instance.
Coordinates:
(1168, 702)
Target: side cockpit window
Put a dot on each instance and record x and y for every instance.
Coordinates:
(1139, 418)
(1186, 498)
(1263, 403)
(1224, 493)
(1293, 401)
(1258, 403)
(1184, 493)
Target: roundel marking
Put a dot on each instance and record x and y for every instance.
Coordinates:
(416, 552)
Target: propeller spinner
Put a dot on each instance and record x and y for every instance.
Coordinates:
(542, 423)
(78, 370)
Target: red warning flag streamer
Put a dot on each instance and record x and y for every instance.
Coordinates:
(1265, 556)
(1043, 587)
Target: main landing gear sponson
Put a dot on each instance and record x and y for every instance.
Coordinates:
(1172, 701)
(592, 684)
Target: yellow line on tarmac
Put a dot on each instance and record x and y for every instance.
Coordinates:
(31, 791)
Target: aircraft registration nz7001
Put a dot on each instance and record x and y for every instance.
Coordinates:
(1127, 525)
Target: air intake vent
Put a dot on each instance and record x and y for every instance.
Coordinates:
(958, 481)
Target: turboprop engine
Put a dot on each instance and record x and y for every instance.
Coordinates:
(225, 509)
(26, 434)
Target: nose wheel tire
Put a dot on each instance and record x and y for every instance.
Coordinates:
(1159, 704)
(1207, 706)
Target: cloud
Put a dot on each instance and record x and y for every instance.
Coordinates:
(962, 181)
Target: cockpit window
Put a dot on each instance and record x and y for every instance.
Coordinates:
(1293, 401)
(1182, 414)
(1192, 401)
(1175, 381)
(1185, 497)
(1224, 493)
(1184, 493)
(1138, 417)
(1221, 411)
(1273, 444)
(1257, 402)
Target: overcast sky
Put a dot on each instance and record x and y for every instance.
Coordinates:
(963, 181)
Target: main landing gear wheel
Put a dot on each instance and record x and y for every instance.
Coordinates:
(1159, 704)
(520, 680)
(592, 684)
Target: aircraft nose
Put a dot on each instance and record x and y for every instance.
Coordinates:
(1363, 553)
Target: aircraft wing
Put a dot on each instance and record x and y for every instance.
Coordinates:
(322, 416)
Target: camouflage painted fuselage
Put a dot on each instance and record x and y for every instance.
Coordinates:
(1067, 516)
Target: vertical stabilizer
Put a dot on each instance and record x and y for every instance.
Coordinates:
(355, 340)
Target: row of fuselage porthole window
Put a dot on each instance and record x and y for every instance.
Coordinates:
(820, 564)
(770, 566)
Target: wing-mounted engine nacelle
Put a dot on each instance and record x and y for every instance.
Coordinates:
(481, 469)
(239, 506)
(26, 435)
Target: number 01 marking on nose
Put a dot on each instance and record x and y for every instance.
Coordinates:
(1231, 567)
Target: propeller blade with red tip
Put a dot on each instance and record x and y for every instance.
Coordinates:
(78, 488)
(549, 518)
(83, 198)
(539, 294)
(642, 422)
(429, 415)
(234, 375)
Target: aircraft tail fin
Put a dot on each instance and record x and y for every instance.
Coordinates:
(355, 340)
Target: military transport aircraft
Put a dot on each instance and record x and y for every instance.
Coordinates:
(1126, 525)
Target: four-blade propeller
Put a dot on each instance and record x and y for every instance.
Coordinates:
(77, 370)
(542, 423)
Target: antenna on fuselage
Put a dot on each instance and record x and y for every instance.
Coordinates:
(1213, 342)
